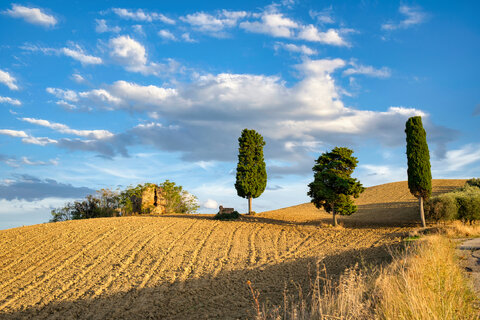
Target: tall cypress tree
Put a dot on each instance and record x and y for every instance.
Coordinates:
(251, 171)
(418, 157)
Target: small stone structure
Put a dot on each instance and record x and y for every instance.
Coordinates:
(222, 210)
(151, 201)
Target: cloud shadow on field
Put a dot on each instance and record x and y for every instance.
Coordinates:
(225, 296)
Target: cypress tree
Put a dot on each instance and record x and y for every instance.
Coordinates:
(418, 158)
(251, 170)
(333, 187)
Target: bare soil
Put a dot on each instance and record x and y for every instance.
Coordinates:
(190, 266)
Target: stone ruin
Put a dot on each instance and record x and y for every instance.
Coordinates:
(151, 201)
(222, 210)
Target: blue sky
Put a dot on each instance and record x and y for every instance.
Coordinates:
(97, 94)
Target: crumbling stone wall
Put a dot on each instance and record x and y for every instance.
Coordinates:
(151, 201)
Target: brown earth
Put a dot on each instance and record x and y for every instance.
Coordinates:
(190, 266)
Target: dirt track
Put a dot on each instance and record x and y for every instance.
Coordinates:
(181, 266)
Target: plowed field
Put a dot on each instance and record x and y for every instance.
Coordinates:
(187, 267)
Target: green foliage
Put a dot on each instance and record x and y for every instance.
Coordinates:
(418, 158)
(474, 182)
(227, 216)
(463, 204)
(178, 200)
(333, 187)
(108, 203)
(251, 179)
(442, 208)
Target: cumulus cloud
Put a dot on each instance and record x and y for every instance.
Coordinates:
(214, 24)
(8, 80)
(303, 49)
(14, 102)
(277, 25)
(201, 119)
(101, 26)
(78, 78)
(412, 16)
(132, 55)
(78, 54)
(32, 15)
(69, 95)
(141, 15)
(167, 35)
(31, 188)
(274, 24)
(62, 128)
(210, 204)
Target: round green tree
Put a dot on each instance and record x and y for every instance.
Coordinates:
(418, 158)
(333, 187)
(251, 170)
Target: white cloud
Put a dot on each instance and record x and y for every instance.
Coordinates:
(78, 78)
(78, 54)
(303, 49)
(277, 25)
(69, 95)
(62, 128)
(331, 36)
(8, 80)
(413, 16)
(14, 133)
(216, 23)
(27, 138)
(141, 15)
(132, 55)
(75, 52)
(274, 24)
(101, 26)
(64, 104)
(165, 34)
(383, 72)
(186, 37)
(210, 204)
(372, 175)
(324, 16)
(458, 160)
(32, 15)
(11, 101)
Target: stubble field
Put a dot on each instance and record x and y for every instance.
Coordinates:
(190, 266)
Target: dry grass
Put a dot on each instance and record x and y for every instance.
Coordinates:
(426, 283)
(423, 281)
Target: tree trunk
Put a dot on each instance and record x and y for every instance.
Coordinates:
(422, 214)
(249, 205)
(334, 218)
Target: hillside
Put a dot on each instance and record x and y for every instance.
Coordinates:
(190, 266)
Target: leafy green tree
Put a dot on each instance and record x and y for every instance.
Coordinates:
(178, 200)
(333, 187)
(251, 170)
(418, 158)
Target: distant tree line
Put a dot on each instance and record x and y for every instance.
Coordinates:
(112, 203)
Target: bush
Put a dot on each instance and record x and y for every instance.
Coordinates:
(474, 182)
(462, 203)
(442, 208)
(227, 216)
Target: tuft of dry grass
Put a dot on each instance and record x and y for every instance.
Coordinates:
(454, 229)
(425, 282)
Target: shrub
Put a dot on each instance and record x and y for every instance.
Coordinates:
(474, 182)
(442, 208)
(227, 216)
